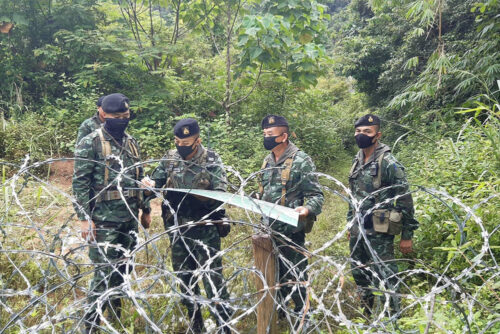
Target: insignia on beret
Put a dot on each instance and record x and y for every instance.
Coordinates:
(273, 120)
(115, 103)
(186, 127)
(367, 120)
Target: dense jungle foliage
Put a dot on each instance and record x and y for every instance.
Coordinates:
(429, 68)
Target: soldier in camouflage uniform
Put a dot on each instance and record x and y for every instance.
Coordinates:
(192, 166)
(91, 124)
(384, 205)
(108, 216)
(302, 192)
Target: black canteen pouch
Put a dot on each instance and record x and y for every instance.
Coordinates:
(222, 227)
(309, 223)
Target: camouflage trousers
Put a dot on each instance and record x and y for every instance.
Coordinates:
(383, 265)
(292, 268)
(107, 256)
(192, 251)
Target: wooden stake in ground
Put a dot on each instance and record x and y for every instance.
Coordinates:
(266, 264)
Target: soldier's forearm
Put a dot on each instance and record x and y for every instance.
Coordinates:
(82, 196)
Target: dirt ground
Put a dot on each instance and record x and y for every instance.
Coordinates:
(61, 174)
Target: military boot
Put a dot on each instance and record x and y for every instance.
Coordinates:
(281, 313)
(299, 315)
(224, 330)
(223, 316)
(115, 310)
(367, 303)
(92, 322)
(197, 325)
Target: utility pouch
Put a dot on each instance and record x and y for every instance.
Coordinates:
(381, 220)
(387, 221)
(201, 181)
(395, 224)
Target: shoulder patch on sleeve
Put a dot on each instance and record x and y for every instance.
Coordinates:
(398, 170)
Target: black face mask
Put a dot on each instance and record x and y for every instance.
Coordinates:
(270, 142)
(364, 141)
(116, 127)
(184, 151)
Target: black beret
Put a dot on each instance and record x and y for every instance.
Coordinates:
(115, 103)
(367, 120)
(186, 127)
(99, 102)
(271, 121)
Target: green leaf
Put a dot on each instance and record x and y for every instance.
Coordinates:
(305, 38)
(267, 20)
(252, 31)
(255, 52)
(411, 63)
(243, 39)
(19, 19)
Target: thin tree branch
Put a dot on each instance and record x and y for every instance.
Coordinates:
(251, 90)
(197, 23)
(211, 97)
(230, 33)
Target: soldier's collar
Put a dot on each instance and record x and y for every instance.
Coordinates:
(380, 149)
(290, 150)
(110, 138)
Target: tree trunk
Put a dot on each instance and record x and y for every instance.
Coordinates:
(227, 95)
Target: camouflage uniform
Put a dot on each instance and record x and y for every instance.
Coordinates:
(193, 246)
(88, 126)
(115, 220)
(361, 182)
(302, 189)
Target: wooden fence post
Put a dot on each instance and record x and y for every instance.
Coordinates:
(265, 262)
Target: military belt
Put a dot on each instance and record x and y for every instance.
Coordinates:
(110, 195)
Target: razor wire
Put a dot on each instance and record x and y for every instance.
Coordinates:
(45, 269)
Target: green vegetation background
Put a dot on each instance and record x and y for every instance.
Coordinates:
(429, 68)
